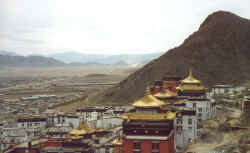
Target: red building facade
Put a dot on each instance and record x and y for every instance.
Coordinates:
(148, 129)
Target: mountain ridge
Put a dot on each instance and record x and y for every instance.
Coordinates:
(27, 61)
(218, 53)
(75, 57)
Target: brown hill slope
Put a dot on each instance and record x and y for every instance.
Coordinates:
(218, 53)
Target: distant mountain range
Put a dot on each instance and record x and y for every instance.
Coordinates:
(8, 58)
(11, 59)
(2, 52)
(134, 59)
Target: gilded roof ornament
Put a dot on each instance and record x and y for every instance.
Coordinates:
(82, 129)
(148, 100)
(191, 78)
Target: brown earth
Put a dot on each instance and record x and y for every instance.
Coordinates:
(218, 53)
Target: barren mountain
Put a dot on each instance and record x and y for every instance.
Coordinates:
(218, 53)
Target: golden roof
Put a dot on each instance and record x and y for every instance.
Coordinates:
(165, 93)
(100, 130)
(198, 88)
(160, 116)
(148, 101)
(82, 129)
(117, 142)
(179, 102)
(76, 137)
(191, 79)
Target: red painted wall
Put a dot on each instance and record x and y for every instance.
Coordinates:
(172, 144)
(165, 147)
(24, 150)
(127, 146)
(146, 147)
(171, 85)
(51, 144)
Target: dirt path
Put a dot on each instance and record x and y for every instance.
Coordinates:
(228, 138)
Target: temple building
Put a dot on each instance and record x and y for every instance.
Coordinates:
(191, 87)
(167, 96)
(185, 123)
(148, 129)
(62, 119)
(171, 82)
(194, 91)
(158, 84)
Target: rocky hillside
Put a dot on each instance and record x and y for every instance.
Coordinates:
(218, 53)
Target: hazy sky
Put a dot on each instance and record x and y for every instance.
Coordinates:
(104, 26)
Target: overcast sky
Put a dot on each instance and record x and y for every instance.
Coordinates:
(104, 26)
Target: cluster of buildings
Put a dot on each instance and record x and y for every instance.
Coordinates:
(51, 129)
(165, 120)
(35, 104)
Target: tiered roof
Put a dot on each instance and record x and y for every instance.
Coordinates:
(148, 101)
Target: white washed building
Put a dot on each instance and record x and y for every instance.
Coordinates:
(62, 119)
(205, 108)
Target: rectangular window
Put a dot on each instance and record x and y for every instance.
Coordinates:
(200, 109)
(137, 145)
(155, 145)
(179, 128)
(194, 105)
(179, 121)
(190, 121)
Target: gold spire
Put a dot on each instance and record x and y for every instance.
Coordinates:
(148, 100)
(190, 78)
(148, 92)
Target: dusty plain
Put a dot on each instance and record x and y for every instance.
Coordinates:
(71, 84)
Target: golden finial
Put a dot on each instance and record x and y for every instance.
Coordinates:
(147, 90)
(190, 78)
(190, 72)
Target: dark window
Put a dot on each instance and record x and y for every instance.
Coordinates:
(155, 145)
(200, 109)
(179, 128)
(194, 105)
(190, 121)
(179, 121)
(137, 145)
